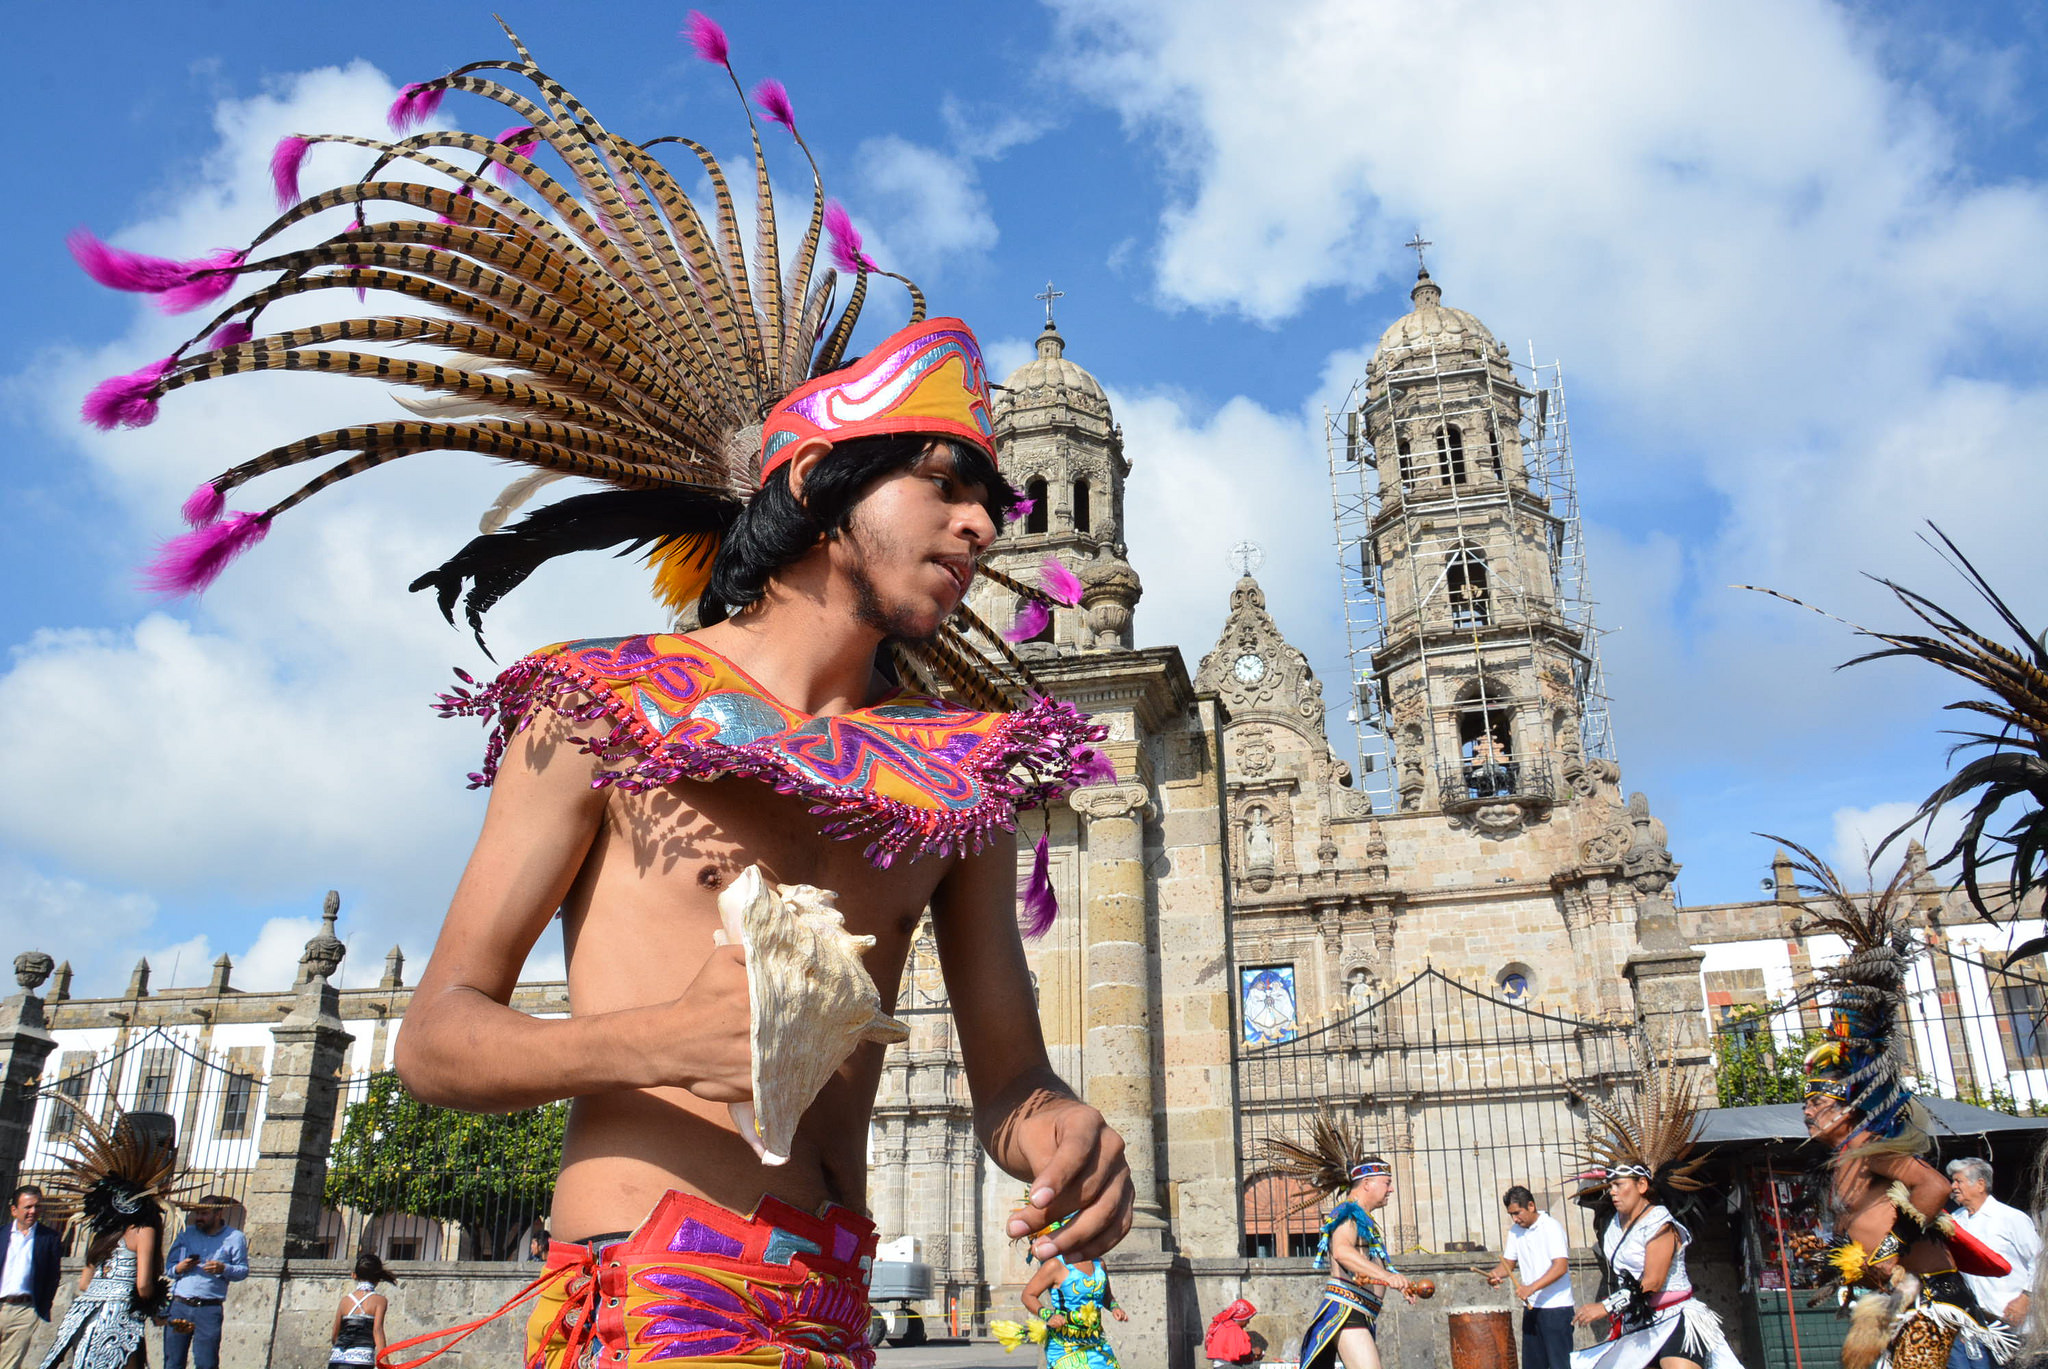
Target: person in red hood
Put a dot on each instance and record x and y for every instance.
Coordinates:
(1227, 1342)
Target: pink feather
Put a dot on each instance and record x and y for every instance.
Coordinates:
(1091, 767)
(1030, 621)
(521, 140)
(230, 334)
(191, 561)
(126, 401)
(1041, 907)
(203, 506)
(773, 98)
(846, 243)
(178, 285)
(707, 37)
(415, 105)
(285, 161)
(1021, 507)
(1061, 583)
(211, 278)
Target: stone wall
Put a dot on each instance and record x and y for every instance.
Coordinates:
(280, 1316)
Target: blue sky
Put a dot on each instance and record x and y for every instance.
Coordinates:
(1793, 256)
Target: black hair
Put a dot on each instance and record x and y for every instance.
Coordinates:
(22, 1190)
(106, 1242)
(776, 528)
(1518, 1196)
(370, 1269)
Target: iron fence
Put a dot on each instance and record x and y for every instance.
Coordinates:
(1463, 1092)
(1975, 1032)
(215, 1097)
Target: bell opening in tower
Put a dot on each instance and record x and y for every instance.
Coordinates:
(1465, 582)
(1082, 520)
(1486, 748)
(1034, 490)
(1450, 454)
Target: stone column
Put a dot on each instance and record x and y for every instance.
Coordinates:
(24, 1047)
(287, 1186)
(1119, 989)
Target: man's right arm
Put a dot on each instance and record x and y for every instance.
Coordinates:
(463, 1046)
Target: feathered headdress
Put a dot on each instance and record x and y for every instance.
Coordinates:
(1864, 1061)
(1330, 1160)
(117, 1173)
(1651, 1136)
(590, 320)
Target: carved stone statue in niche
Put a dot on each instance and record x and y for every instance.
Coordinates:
(1258, 841)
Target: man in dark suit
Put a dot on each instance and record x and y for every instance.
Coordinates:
(28, 1275)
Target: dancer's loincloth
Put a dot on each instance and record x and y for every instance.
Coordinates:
(1346, 1303)
(782, 1289)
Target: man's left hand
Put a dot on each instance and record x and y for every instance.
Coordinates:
(2016, 1311)
(213, 1267)
(1078, 1166)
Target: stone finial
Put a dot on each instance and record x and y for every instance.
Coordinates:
(222, 968)
(394, 970)
(31, 968)
(61, 990)
(325, 950)
(138, 982)
(1647, 863)
(1110, 590)
(1784, 879)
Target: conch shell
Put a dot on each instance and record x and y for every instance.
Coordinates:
(813, 1001)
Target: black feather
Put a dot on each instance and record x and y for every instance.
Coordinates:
(497, 563)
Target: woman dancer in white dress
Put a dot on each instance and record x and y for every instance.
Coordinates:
(1653, 1319)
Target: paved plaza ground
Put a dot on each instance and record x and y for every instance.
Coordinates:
(957, 1354)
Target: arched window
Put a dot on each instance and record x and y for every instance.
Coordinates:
(1407, 460)
(1034, 490)
(1493, 446)
(1082, 517)
(1450, 454)
(1465, 583)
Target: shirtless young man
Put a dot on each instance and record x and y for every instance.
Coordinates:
(825, 516)
(656, 1044)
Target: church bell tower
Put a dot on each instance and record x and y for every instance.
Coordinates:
(1473, 649)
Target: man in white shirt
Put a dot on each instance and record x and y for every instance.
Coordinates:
(2006, 1230)
(1537, 1254)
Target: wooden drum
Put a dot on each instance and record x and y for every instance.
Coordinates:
(1482, 1338)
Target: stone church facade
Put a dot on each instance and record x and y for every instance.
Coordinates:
(1232, 892)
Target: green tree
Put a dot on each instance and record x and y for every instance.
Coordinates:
(492, 1174)
(1751, 1066)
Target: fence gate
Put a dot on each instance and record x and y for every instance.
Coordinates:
(1465, 1093)
(216, 1097)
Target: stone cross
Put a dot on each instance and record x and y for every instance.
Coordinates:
(1049, 295)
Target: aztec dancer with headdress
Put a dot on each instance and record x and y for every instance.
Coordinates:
(1897, 1253)
(114, 1187)
(827, 708)
(1353, 1248)
(1648, 1169)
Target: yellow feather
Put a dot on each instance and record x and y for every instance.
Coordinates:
(682, 568)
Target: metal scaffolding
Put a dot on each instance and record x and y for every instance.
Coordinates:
(1434, 498)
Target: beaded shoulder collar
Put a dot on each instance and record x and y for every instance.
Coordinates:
(912, 774)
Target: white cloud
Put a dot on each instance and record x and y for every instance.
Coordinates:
(928, 204)
(1199, 485)
(45, 912)
(1859, 831)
